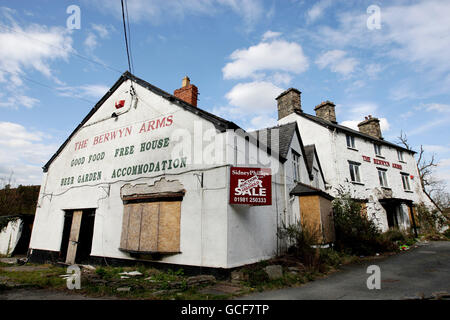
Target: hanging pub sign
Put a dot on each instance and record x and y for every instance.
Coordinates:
(251, 186)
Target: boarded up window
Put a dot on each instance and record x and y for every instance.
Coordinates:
(151, 227)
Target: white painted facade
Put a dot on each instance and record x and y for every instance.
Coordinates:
(331, 146)
(213, 233)
(10, 236)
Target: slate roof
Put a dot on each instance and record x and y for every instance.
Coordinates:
(302, 189)
(220, 123)
(333, 125)
(310, 153)
(286, 133)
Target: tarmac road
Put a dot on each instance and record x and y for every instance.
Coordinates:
(416, 273)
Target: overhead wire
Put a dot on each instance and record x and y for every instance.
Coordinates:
(126, 37)
(129, 37)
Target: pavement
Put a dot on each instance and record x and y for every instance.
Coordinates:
(418, 273)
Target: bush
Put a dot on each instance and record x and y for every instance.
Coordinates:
(430, 222)
(394, 235)
(355, 233)
(447, 233)
(301, 240)
(330, 257)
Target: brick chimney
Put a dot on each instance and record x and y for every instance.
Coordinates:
(289, 102)
(188, 92)
(326, 110)
(370, 126)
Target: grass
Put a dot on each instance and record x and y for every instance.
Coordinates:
(156, 284)
(42, 278)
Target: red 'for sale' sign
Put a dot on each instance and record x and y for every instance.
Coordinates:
(252, 186)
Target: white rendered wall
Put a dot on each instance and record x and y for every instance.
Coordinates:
(334, 155)
(9, 236)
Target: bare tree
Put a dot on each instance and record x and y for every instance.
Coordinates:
(434, 187)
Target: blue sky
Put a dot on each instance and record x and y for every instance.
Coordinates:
(240, 53)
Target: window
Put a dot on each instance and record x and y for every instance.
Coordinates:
(383, 178)
(354, 172)
(316, 177)
(150, 227)
(350, 141)
(405, 181)
(377, 148)
(400, 155)
(295, 165)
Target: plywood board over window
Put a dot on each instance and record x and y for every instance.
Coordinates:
(151, 221)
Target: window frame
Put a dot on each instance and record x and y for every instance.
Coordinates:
(376, 147)
(400, 156)
(382, 175)
(296, 165)
(403, 176)
(350, 139)
(353, 165)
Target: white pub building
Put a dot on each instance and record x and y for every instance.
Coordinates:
(149, 176)
(382, 175)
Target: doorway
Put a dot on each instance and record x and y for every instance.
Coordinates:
(76, 243)
(391, 213)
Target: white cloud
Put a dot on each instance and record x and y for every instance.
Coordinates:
(436, 148)
(318, 9)
(374, 69)
(91, 42)
(102, 30)
(24, 152)
(25, 49)
(32, 48)
(357, 112)
(98, 30)
(429, 125)
(353, 124)
(439, 107)
(278, 55)
(254, 97)
(337, 61)
(158, 11)
(415, 33)
(261, 121)
(95, 91)
(270, 35)
(14, 101)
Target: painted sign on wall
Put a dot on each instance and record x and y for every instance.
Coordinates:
(251, 186)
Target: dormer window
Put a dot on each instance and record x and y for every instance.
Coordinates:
(377, 149)
(350, 141)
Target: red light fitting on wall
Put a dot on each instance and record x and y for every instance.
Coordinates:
(120, 104)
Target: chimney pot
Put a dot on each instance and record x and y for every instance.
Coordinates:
(186, 81)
